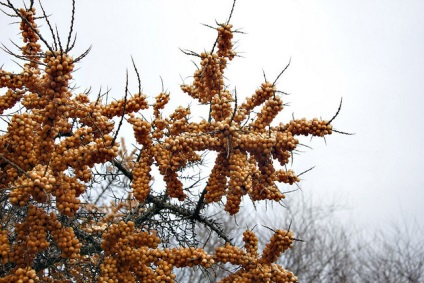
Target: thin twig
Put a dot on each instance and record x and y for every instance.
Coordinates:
(48, 23)
(138, 76)
(123, 111)
(231, 12)
(337, 113)
(71, 28)
(306, 171)
(279, 75)
(30, 25)
(79, 58)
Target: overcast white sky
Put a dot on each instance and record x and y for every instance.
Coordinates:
(370, 52)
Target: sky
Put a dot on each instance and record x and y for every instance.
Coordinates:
(367, 52)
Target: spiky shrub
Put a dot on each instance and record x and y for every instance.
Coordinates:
(59, 154)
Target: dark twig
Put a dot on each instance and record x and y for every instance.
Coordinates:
(71, 28)
(235, 106)
(17, 167)
(189, 52)
(138, 76)
(178, 210)
(231, 12)
(30, 25)
(48, 23)
(279, 75)
(79, 58)
(59, 41)
(123, 110)
(200, 204)
(337, 113)
(306, 171)
(343, 133)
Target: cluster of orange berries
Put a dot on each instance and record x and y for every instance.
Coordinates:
(246, 150)
(215, 188)
(128, 253)
(280, 242)
(32, 238)
(262, 94)
(21, 125)
(10, 98)
(141, 176)
(13, 82)
(53, 102)
(221, 106)
(161, 100)
(131, 254)
(29, 33)
(314, 127)
(171, 154)
(40, 184)
(272, 107)
(49, 149)
(255, 268)
(65, 238)
(178, 121)
(122, 106)
(250, 243)
(4, 246)
(287, 177)
(21, 275)
(35, 184)
(225, 44)
(208, 80)
(141, 129)
(188, 257)
(238, 183)
(44, 159)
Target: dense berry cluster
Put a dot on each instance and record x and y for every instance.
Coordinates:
(4, 247)
(128, 253)
(252, 267)
(246, 149)
(21, 275)
(134, 255)
(52, 144)
(125, 106)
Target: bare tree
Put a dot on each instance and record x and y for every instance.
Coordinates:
(395, 254)
(329, 250)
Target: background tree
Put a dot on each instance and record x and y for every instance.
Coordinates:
(76, 206)
(329, 250)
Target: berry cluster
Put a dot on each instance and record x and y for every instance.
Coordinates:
(225, 43)
(21, 275)
(4, 246)
(252, 267)
(133, 255)
(221, 106)
(51, 145)
(315, 127)
(141, 176)
(127, 250)
(125, 106)
(39, 232)
(246, 149)
(208, 80)
(30, 36)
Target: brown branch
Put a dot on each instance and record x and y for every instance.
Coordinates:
(160, 204)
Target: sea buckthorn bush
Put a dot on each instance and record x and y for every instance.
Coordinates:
(78, 206)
